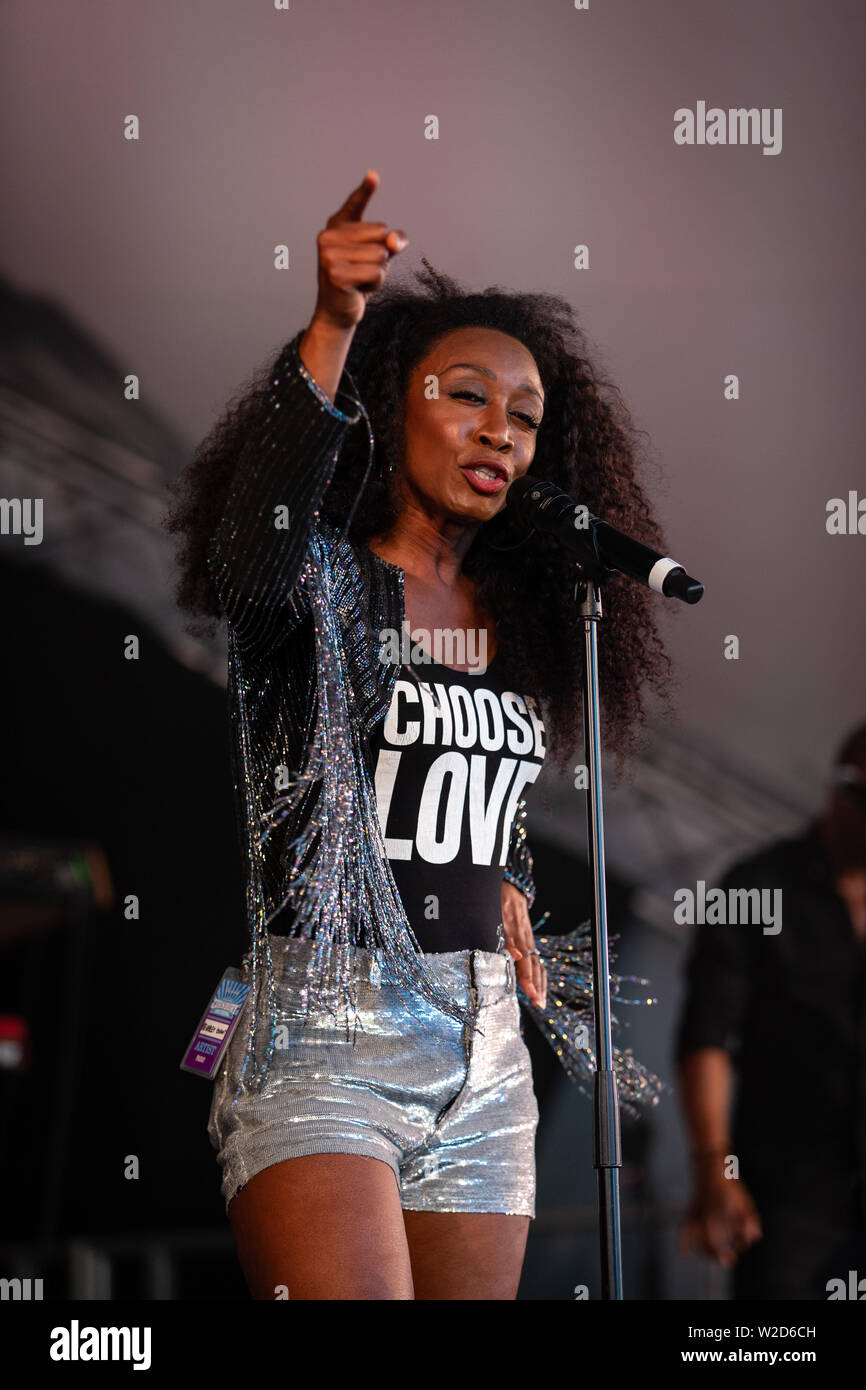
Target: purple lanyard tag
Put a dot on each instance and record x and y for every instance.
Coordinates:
(218, 1023)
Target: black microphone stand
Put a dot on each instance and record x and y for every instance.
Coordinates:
(556, 513)
(607, 1151)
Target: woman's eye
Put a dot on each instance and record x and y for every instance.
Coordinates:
(473, 396)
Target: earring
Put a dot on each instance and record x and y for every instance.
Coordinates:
(386, 472)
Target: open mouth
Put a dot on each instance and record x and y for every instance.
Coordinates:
(485, 477)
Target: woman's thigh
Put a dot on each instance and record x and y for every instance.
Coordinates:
(466, 1255)
(323, 1226)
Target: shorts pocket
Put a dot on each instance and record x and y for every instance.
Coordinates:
(297, 999)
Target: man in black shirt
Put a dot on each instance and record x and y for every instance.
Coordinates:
(778, 1016)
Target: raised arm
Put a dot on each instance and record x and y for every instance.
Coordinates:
(286, 465)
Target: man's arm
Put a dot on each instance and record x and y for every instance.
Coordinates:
(722, 1220)
(706, 1078)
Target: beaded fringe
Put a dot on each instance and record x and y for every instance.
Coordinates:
(346, 892)
(568, 1024)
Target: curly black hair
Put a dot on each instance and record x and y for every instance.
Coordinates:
(586, 445)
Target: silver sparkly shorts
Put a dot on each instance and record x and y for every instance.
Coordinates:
(454, 1114)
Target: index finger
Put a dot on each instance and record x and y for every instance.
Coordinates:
(353, 208)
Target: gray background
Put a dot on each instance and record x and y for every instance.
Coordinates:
(556, 127)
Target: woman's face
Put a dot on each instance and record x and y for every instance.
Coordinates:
(464, 445)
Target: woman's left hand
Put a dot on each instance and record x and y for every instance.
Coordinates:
(520, 942)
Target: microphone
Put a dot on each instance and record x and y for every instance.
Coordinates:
(553, 512)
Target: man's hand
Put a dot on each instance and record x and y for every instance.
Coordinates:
(519, 942)
(722, 1220)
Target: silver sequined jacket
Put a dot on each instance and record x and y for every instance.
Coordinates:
(304, 608)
